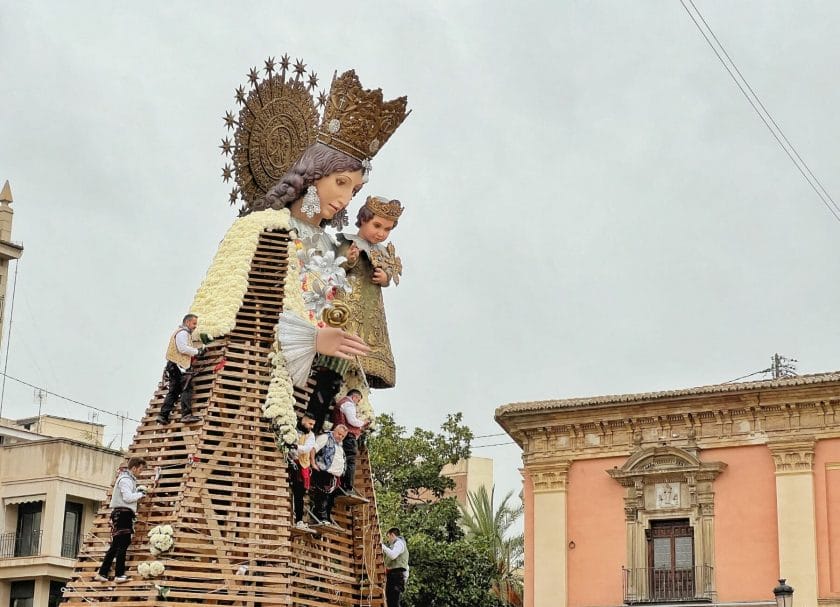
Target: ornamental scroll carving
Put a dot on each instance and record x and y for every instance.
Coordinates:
(793, 456)
(665, 479)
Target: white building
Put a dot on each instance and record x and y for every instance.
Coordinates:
(50, 490)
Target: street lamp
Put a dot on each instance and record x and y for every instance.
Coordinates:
(784, 594)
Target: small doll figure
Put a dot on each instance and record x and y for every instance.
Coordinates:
(370, 266)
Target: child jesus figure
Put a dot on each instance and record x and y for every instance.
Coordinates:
(370, 266)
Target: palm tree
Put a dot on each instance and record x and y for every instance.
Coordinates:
(481, 521)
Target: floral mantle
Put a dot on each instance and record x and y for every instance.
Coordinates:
(220, 296)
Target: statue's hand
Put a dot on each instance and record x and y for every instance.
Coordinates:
(336, 342)
(352, 254)
(380, 277)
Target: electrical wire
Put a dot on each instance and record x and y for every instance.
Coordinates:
(490, 435)
(825, 198)
(768, 370)
(67, 398)
(493, 445)
(758, 99)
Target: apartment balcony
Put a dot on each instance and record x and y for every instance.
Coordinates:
(28, 556)
(671, 585)
(16, 545)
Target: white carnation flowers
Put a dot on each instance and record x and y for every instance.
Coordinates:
(160, 539)
(150, 569)
(220, 295)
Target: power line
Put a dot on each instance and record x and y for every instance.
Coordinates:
(67, 398)
(490, 435)
(758, 99)
(493, 445)
(780, 137)
(762, 372)
(780, 367)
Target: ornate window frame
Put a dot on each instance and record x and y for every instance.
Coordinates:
(653, 470)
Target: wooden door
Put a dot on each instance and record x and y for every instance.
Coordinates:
(671, 560)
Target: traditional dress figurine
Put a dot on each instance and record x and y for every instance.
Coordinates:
(370, 266)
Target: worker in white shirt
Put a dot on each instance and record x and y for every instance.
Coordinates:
(396, 567)
(327, 468)
(300, 459)
(345, 413)
(124, 498)
(179, 357)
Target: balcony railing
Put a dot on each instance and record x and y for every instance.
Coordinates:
(20, 544)
(650, 585)
(70, 544)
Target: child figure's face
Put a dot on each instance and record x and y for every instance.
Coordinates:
(376, 230)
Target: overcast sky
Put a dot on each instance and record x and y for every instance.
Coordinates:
(592, 206)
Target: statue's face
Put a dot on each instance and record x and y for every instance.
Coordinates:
(336, 191)
(376, 229)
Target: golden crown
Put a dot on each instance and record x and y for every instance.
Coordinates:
(358, 121)
(382, 207)
(278, 119)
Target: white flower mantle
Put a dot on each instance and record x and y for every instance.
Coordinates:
(220, 296)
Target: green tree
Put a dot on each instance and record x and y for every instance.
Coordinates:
(450, 574)
(406, 474)
(492, 526)
(447, 568)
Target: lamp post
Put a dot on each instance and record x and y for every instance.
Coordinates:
(784, 594)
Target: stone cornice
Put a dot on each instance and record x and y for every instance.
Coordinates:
(689, 424)
(819, 380)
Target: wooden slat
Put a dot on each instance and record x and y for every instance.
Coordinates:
(232, 505)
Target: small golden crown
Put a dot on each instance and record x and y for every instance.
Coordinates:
(382, 207)
(357, 121)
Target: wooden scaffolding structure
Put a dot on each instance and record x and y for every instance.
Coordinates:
(223, 487)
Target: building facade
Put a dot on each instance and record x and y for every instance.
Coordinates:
(469, 475)
(702, 495)
(63, 427)
(50, 490)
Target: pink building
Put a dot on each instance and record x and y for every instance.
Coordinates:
(703, 495)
